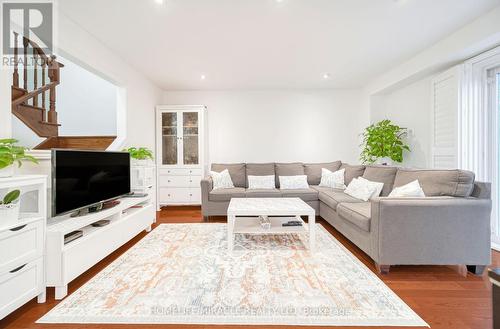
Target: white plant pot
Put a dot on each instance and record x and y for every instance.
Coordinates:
(385, 161)
(9, 214)
(140, 163)
(7, 172)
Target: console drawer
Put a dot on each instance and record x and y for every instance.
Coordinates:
(19, 285)
(21, 244)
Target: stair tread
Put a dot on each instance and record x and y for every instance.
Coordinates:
(77, 142)
(50, 124)
(33, 107)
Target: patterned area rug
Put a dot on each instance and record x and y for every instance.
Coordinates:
(182, 273)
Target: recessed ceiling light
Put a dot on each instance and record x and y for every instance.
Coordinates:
(326, 76)
(160, 2)
(203, 77)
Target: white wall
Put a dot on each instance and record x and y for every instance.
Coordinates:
(140, 93)
(474, 38)
(261, 126)
(86, 103)
(409, 107)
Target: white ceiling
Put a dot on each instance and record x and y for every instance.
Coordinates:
(263, 44)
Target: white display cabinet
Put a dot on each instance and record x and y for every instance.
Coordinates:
(180, 153)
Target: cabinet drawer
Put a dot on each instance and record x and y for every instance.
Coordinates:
(19, 285)
(180, 172)
(174, 181)
(179, 181)
(180, 195)
(195, 195)
(174, 195)
(21, 245)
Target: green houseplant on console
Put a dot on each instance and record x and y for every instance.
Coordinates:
(11, 154)
(383, 143)
(9, 208)
(140, 155)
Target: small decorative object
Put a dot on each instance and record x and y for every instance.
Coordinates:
(10, 154)
(140, 155)
(265, 222)
(9, 208)
(383, 143)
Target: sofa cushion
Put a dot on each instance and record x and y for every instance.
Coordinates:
(308, 194)
(352, 172)
(332, 197)
(438, 182)
(358, 214)
(263, 193)
(259, 169)
(288, 169)
(225, 194)
(313, 170)
(236, 171)
(381, 174)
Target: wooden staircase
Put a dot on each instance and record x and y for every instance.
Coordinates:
(35, 109)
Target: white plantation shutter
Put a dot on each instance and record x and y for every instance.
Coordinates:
(445, 98)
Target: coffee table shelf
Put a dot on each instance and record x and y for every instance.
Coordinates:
(243, 217)
(251, 225)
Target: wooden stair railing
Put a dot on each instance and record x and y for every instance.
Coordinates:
(30, 106)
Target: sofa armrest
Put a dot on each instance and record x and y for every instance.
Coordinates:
(206, 187)
(432, 230)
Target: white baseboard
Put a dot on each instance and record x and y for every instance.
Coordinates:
(495, 246)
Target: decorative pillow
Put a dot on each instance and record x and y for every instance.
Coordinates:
(332, 179)
(409, 190)
(359, 190)
(222, 179)
(293, 182)
(261, 182)
(378, 186)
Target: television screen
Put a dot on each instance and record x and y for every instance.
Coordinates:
(84, 178)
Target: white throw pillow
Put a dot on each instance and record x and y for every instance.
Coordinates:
(378, 186)
(222, 179)
(409, 190)
(261, 182)
(332, 179)
(293, 182)
(360, 190)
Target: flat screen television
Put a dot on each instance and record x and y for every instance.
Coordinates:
(82, 179)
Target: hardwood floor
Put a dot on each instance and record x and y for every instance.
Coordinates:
(444, 296)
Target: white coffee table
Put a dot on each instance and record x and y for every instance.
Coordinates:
(239, 210)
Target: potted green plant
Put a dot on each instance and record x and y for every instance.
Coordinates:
(9, 208)
(140, 155)
(383, 142)
(11, 154)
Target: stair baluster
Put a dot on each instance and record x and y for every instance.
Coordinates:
(44, 105)
(35, 76)
(54, 77)
(25, 71)
(15, 77)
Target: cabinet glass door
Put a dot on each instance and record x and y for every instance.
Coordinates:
(190, 149)
(169, 138)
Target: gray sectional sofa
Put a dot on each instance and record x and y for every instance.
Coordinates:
(450, 226)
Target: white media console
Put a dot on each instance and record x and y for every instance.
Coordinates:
(65, 262)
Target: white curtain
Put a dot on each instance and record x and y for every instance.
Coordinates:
(477, 125)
